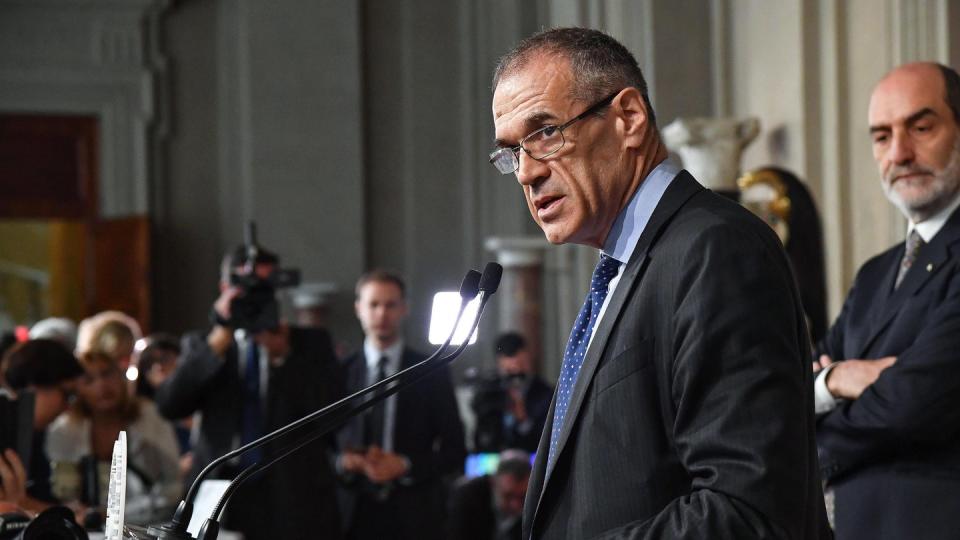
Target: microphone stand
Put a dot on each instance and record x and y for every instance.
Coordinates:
(331, 415)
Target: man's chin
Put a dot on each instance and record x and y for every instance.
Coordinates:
(918, 206)
(554, 234)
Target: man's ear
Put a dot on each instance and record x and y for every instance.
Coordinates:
(633, 117)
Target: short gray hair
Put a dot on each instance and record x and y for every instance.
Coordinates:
(600, 64)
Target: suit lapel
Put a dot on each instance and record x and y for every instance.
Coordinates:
(930, 260)
(681, 188)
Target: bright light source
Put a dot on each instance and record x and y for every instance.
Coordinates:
(445, 307)
(132, 373)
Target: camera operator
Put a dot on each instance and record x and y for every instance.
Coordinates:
(247, 376)
(48, 370)
(511, 408)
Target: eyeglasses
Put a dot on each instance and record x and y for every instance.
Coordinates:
(542, 143)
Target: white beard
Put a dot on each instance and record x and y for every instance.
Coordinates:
(939, 193)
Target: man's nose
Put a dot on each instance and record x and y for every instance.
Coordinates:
(531, 171)
(902, 149)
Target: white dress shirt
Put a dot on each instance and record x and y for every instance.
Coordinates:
(373, 355)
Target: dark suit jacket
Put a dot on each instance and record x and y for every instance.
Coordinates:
(893, 454)
(300, 490)
(692, 415)
(472, 516)
(428, 431)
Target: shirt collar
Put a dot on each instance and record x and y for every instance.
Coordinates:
(629, 225)
(373, 355)
(929, 228)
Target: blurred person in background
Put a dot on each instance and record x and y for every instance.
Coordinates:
(395, 458)
(80, 446)
(489, 507)
(48, 370)
(111, 332)
(156, 357)
(247, 379)
(58, 329)
(511, 408)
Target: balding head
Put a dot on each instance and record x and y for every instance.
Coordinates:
(913, 122)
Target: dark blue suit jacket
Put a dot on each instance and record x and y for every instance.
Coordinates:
(893, 455)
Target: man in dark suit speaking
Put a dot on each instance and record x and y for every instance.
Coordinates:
(684, 407)
(889, 395)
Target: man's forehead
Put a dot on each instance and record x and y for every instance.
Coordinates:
(541, 81)
(381, 290)
(906, 91)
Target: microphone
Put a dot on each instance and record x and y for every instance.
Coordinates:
(490, 280)
(486, 284)
(330, 416)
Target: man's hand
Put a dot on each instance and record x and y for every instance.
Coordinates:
(850, 378)
(353, 462)
(222, 304)
(220, 338)
(382, 467)
(13, 478)
(822, 363)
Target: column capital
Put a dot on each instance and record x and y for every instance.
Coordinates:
(517, 251)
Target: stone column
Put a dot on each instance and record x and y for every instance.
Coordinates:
(521, 288)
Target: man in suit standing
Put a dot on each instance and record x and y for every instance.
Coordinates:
(684, 407)
(246, 382)
(394, 459)
(889, 390)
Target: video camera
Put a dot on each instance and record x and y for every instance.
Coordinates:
(256, 308)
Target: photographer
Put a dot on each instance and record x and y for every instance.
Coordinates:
(511, 408)
(247, 376)
(48, 370)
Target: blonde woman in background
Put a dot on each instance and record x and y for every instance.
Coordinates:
(83, 438)
(111, 332)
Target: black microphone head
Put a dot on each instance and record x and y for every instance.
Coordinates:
(490, 279)
(470, 285)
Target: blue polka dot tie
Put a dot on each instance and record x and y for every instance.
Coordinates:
(573, 355)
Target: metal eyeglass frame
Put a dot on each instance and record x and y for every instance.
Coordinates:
(514, 151)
